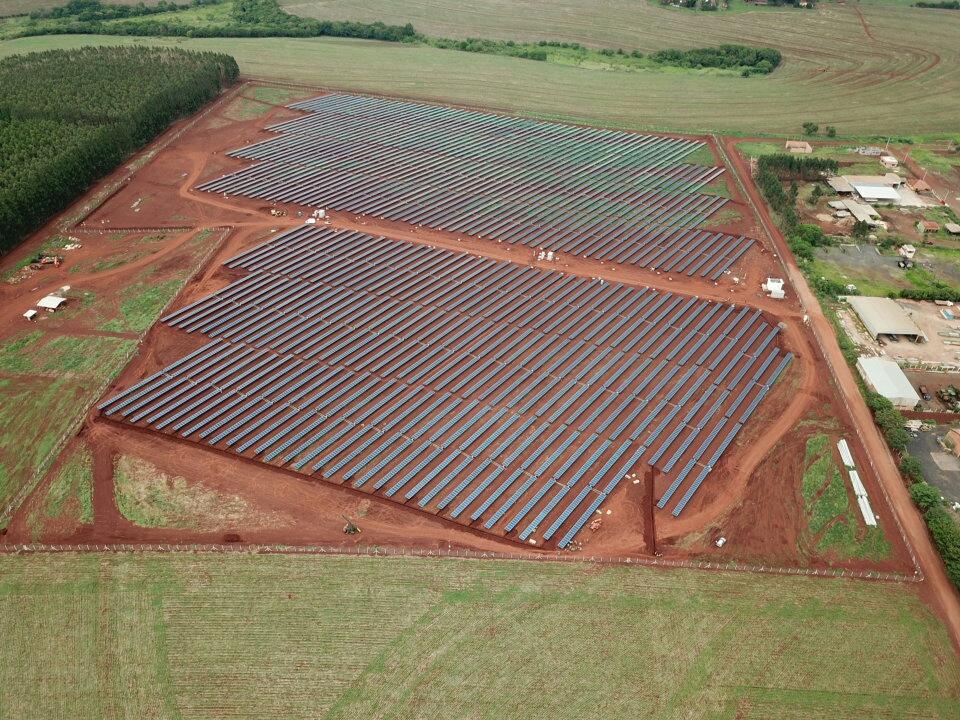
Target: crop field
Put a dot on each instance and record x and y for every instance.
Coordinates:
(835, 71)
(606, 195)
(858, 66)
(427, 375)
(246, 636)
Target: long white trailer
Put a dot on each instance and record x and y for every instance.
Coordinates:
(858, 489)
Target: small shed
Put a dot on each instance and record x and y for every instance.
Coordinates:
(919, 186)
(51, 303)
(907, 251)
(927, 226)
(889, 161)
(30, 314)
(886, 378)
(798, 146)
(774, 288)
(952, 228)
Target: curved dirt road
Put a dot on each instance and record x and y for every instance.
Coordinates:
(911, 524)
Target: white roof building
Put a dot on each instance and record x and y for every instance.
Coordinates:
(875, 193)
(50, 302)
(883, 316)
(886, 378)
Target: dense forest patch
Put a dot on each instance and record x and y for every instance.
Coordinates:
(69, 116)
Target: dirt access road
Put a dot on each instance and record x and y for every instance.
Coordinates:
(936, 583)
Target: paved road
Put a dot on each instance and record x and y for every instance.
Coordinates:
(937, 585)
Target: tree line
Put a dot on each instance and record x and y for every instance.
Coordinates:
(67, 117)
(758, 60)
(89, 10)
(797, 167)
(248, 18)
(944, 530)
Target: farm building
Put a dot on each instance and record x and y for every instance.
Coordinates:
(919, 185)
(51, 303)
(927, 226)
(886, 378)
(848, 183)
(952, 228)
(889, 161)
(863, 212)
(798, 146)
(877, 193)
(884, 317)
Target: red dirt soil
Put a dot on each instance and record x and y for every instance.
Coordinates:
(745, 497)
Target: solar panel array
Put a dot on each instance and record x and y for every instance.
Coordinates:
(506, 397)
(602, 194)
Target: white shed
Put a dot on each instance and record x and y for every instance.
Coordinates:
(51, 303)
(774, 288)
(886, 378)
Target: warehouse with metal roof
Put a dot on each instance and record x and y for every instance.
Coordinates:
(885, 318)
(886, 378)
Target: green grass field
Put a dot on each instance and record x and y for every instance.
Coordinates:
(69, 495)
(832, 521)
(46, 382)
(144, 636)
(832, 73)
(49, 377)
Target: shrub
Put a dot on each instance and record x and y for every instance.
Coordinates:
(925, 496)
(912, 470)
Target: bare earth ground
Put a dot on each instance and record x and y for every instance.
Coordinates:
(752, 498)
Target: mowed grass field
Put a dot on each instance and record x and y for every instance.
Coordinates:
(897, 72)
(151, 636)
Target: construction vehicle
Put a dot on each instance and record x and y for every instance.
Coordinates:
(351, 527)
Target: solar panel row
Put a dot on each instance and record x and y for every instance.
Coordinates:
(484, 391)
(602, 194)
